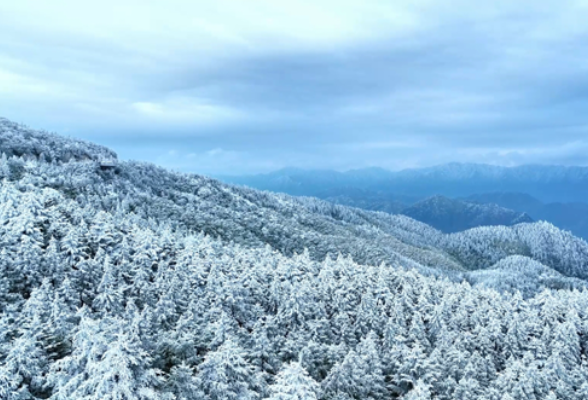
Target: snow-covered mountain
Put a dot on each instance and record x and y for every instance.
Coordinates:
(132, 282)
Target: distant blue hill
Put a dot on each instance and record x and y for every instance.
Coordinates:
(571, 216)
(453, 215)
(553, 193)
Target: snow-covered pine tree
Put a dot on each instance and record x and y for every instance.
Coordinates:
(293, 383)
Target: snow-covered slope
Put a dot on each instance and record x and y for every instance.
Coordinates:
(139, 283)
(18, 140)
(193, 203)
(520, 273)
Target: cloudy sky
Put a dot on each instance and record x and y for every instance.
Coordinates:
(233, 86)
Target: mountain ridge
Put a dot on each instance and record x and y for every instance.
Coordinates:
(19, 140)
(542, 181)
(451, 215)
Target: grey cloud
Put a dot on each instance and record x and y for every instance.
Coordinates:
(472, 85)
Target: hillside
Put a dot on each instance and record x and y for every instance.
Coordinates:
(288, 224)
(451, 215)
(524, 274)
(550, 193)
(18, 140)
(193, 203)
(442, 213)
(569, 216)
(140, 283)
(367, 200)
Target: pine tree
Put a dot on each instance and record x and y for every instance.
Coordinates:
(293, 383)
(226, 375)
(262, 354)
(106, 363)
(318, 359)
(566, 343)
(71, 246)
(467, 388)
(123, 372)
(420, 392)
(110, 299)
(182, 383)
(360, 373)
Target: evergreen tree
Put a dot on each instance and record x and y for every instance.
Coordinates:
(182, 383)
(359, 375)
(123, 372)
(110, 295)
(293, 383)
(226, 375)
(420, 392)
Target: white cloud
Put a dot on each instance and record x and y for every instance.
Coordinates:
(186, 111)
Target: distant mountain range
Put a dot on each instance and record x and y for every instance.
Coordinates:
(546, 183)
(449, 197)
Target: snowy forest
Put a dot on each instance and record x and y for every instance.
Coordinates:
(132, 282)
